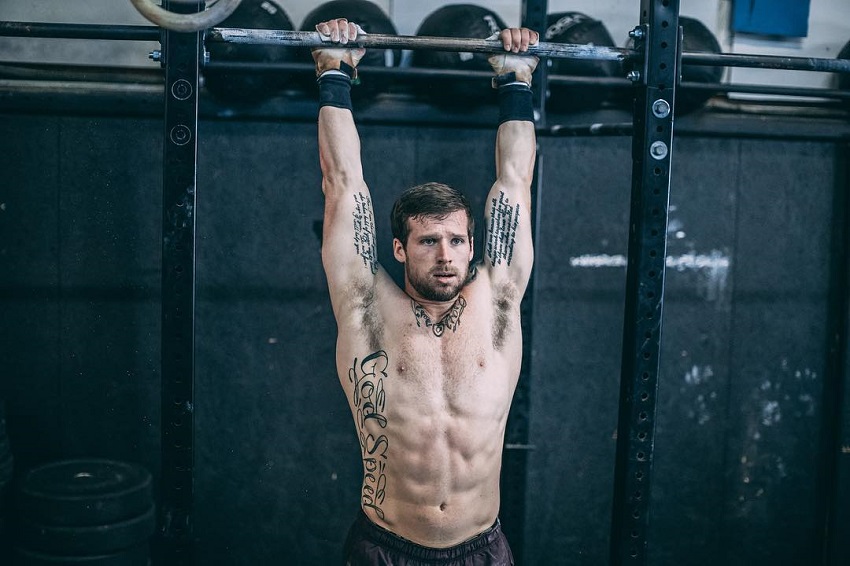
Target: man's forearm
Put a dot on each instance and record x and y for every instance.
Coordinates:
(516, 148)
(339, 147)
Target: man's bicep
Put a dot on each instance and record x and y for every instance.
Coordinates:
(349, 247)
(508, 247)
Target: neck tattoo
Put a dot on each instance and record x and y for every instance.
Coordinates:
(451, 320)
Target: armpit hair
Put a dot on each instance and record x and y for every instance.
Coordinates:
(504, 301)
(363, 301)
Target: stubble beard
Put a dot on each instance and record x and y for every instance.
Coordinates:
(430, 291)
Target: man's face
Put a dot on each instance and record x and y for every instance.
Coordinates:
(437, 255)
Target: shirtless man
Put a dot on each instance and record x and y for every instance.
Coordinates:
(429, 370)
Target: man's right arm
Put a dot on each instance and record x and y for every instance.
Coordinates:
(349, 251)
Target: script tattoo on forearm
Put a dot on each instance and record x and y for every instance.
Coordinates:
(369, 400)
(364, 231)
(504, 220)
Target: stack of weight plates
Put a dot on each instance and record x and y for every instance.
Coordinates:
(92, 512)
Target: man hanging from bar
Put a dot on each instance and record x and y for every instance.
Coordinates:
(429, 370)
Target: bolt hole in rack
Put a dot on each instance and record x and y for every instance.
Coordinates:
(651, 69)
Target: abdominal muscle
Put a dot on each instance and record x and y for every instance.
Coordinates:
(434, 478)
(442, 482)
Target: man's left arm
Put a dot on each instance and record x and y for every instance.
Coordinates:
(508, 248)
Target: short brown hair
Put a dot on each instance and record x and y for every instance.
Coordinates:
(428, 200)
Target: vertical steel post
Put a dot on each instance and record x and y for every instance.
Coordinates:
(515, 456)
(534, 17)
(658, 39)
(181, 56)
(834, 480)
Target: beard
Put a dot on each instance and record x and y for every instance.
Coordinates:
(432, 289)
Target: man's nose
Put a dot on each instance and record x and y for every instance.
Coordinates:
(443, 249)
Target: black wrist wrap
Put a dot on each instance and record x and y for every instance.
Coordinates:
(515, 103)
(335, 90)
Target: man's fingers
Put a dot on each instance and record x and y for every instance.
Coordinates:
(529, 37)
(339, 31)
(517, 40)
(352, 31)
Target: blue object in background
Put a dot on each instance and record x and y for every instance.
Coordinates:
(788, 18)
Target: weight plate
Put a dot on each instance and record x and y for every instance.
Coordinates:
(136, 556)
(89, 540)
(84, 492)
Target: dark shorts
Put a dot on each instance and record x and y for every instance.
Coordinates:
(371, 545)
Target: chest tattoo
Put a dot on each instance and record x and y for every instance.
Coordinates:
(450, 321)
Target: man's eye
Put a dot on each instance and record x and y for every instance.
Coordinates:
(428, 241)
(457, 241)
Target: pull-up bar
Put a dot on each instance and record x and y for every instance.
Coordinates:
(383, 41)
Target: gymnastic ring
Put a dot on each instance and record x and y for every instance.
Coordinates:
(186, 22)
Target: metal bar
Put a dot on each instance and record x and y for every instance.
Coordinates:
(117, 76)
(659, 38)
(833, 490)
(313, 39)
(182, 54)
(425, 74)
(768, 89)
(51, 71)
(767, 62)
(79, 31)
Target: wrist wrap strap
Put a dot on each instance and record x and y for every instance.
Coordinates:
(335, 90)
(515, 103)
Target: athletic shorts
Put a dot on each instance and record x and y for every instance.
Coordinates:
(371, 545)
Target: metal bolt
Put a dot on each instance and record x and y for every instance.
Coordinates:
(636, 33)
(633, 76)
(658, 150)
(661, 108)
(180, 134)
(181, 89)
(155, 55)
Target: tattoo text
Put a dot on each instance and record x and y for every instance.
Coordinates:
(364, 231)
(369, 401)
(504, 220)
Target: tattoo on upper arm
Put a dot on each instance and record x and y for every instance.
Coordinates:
(369, 400)
(504, 220)
(364, 231)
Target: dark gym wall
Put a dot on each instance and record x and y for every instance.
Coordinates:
(743, 357)
(739, 411)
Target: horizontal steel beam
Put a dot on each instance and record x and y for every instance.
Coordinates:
(79, 31)
(767, 62)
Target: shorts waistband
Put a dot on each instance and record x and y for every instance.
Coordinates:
(389, 539)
